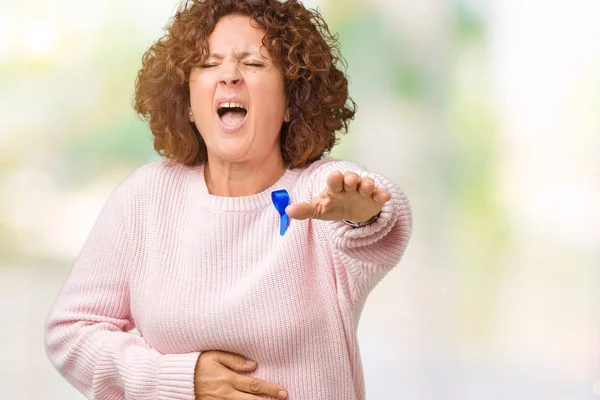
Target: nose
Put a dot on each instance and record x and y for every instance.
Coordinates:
(230, 74)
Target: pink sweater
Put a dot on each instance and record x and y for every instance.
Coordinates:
(194, 272)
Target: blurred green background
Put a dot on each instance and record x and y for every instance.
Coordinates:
(486, 112)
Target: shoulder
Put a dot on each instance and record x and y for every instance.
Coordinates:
(157, 172)
(326, 165)
(319, 170)
(155, 178)
(314, 176)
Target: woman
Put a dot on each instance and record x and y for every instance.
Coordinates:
(230, 299)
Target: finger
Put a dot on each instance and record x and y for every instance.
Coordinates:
(366, 186)
(300, 211)
(335, 182)
(245, 396)
(235, 361)
(258, 386)
(381, 196)
(351, 180)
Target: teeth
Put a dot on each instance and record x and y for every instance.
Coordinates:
(231, 105)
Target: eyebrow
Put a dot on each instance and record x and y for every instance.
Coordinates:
(242, 54)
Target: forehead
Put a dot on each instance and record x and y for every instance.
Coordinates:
(235, 32)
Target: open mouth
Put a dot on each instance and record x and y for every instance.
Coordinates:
(232, 114)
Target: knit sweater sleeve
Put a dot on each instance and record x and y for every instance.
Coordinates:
(86, 333)
(363, 256)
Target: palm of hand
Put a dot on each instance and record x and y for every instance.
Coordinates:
(347, 196)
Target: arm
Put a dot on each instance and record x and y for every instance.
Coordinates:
(362, 256)
(85, 334)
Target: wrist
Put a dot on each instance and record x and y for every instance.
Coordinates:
(364, 223)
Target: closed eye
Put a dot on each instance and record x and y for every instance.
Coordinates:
(205, 66)
(255, 64)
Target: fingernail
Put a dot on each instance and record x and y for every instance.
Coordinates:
(250, 362)
(282, 394)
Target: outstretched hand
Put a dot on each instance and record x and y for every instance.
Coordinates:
(347, 196)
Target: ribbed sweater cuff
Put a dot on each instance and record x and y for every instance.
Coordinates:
(176, 376)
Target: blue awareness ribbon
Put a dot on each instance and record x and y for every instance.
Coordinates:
(281, 199)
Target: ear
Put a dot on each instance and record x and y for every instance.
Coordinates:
(191, 116)
(286, 117)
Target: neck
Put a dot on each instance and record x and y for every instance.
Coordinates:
(244, 178)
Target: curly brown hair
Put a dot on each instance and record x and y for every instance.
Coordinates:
(300, 43)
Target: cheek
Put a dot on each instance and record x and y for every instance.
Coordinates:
(201, 92)
(270, 91)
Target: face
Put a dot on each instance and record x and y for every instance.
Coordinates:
(238, 96)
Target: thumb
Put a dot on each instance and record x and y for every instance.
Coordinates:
(301, 211)
(235, 361)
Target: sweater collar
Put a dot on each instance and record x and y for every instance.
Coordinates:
(254, 202)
